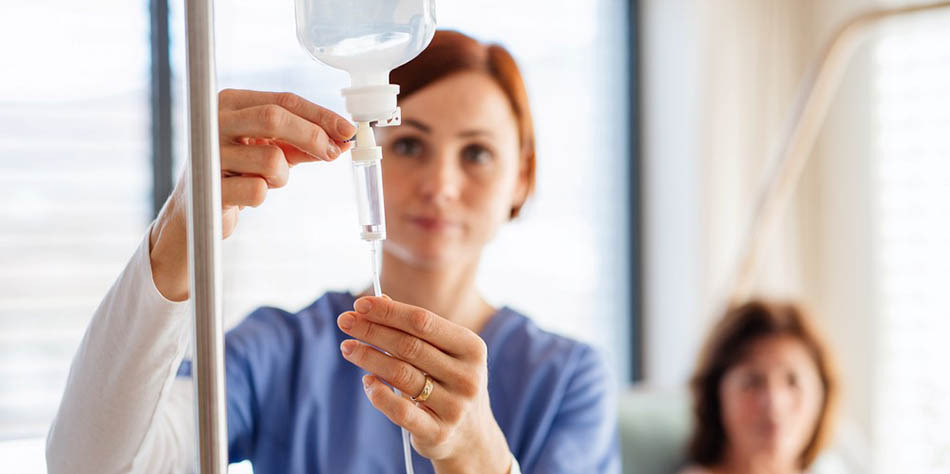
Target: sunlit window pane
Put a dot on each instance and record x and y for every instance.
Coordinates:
(75, 185)
(912, 207)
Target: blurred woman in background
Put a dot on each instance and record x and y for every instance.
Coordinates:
(764, 393)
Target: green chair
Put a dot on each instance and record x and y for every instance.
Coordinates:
(654, 425)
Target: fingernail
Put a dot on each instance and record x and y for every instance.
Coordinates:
(333, 149)
(347, 347)
(345, 129)
(366, 382)
(346, 321)
(362, 305)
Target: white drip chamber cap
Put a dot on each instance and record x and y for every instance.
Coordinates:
(373, 104)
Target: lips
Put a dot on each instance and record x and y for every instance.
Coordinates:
(432, 223)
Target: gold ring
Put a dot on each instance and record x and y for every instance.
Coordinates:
(426, 391)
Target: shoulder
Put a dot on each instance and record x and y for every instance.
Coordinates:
(520, 350)
(559, 399)
(517, 339)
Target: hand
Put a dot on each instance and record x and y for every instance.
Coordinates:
(262, 135)
(454, 427)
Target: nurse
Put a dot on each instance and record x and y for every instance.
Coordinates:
(311, 392)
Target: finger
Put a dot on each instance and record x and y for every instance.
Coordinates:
(446, 335)
(274, 121)
(294, 155)
(399, 410)
(408, 379)
(243, 191)
(338, 128)
(266, 161)
(406, 347)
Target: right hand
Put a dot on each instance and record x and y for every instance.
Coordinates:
(262, 135)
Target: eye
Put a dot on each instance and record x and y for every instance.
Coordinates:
(753, 380)
(477, 154)
(408, 146)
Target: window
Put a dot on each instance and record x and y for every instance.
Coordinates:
(75, 180)
(912, 237)
(74, 193)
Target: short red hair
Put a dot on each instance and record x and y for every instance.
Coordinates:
(452, 52)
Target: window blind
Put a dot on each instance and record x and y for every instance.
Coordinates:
(74, 186)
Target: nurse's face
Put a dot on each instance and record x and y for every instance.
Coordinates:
(771, 401)
(452, 171)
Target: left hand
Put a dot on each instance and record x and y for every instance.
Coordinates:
(454, 427)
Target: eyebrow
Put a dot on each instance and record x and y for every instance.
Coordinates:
(427, 129)
(417, 124)
(473, 133)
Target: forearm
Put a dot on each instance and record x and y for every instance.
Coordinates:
(125, 362)
(168, 253)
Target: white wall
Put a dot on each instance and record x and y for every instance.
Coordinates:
(671, 227)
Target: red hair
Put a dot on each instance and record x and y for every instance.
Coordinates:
(452, 52)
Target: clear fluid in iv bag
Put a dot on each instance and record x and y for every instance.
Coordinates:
(378, 47)
(366, 38)
(364, 52)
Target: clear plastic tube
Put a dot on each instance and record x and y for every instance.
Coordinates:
(369, 196)
(374, 249)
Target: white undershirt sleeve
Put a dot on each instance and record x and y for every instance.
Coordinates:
(123, 409)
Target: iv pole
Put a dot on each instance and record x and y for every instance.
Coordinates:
(204, 238)
(808, 115)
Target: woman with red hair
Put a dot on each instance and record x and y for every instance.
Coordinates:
(493, 393)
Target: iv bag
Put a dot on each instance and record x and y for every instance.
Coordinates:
(366, 38)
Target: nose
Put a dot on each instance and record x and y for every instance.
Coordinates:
(441, 179)
(775, 399)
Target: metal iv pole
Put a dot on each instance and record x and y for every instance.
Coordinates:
(204, 238)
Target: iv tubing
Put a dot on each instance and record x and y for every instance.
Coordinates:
(365, 141)
(374, 252)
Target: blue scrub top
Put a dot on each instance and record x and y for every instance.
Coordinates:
(294, 405)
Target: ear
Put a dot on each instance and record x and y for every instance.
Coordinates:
(522, 189)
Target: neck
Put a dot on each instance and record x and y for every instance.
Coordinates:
(448, 290)
(739, 463)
